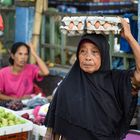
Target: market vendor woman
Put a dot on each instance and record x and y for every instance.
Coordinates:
(94, 102)
(17, 80)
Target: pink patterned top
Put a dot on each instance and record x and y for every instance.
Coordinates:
(18, 85)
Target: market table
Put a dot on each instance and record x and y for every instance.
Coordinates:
(13, 126)
(38, 130)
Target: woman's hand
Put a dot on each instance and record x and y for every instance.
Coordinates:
(33, 52)
(126, 31)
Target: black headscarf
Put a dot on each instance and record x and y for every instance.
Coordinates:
(97, 106)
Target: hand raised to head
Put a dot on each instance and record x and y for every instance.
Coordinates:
(126, 30)
(32, 48)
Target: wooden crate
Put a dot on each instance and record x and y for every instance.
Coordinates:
(15, 136)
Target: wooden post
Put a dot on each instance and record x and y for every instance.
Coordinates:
(37, 25)
(45, 5)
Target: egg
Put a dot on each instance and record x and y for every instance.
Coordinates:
(88, 24)
(71, 25)
(80, 25)
(107, 25)
(97, 24)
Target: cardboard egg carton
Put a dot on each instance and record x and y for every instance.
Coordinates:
(91, 24)
(73, 25)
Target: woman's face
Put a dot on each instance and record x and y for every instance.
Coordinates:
(89, 57)
(21, 56)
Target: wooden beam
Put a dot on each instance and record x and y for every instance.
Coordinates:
(37, 25)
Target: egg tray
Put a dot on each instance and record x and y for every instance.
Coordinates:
(91, 24)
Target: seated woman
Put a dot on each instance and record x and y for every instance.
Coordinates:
(94, 102)
(17, 80)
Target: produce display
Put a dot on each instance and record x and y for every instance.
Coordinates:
(15, 105)
(91, 24)
(11, 123)
(38, 120)
(24, 120)
(8, 118)
(12, 104)
(4, 103)
(37, 116)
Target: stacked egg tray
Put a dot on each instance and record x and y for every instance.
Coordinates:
(91, 24)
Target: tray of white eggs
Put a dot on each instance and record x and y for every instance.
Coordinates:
(76, 25)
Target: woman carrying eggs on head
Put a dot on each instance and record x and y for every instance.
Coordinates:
(17, 80)
(94, 102)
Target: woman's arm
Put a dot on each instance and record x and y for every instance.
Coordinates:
(43, 67)
(5, 97)
(126, 33)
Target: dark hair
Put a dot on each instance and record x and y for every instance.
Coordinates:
(14, 49)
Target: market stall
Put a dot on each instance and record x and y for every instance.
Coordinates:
(12, 126)
(25, 123)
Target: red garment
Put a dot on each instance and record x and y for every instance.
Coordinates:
(38, 90)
